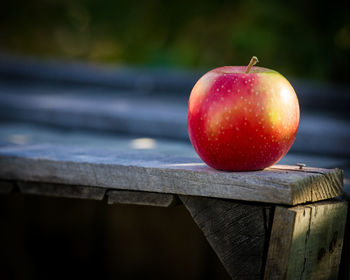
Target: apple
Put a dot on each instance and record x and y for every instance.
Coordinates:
(242, 118)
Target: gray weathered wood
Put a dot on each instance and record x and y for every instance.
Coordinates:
(306, 241)
(237, 232)
(141, 198)
(139, 80)
(150, 116)
(165, 173)
(6, 186)
(59, 190)
(29, 134)
(333, 97)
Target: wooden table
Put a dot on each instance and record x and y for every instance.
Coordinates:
(280, 223)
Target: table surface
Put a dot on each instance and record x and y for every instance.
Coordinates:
(73, 97)
(31, 153)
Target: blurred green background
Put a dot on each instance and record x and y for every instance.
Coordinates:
(309, 39)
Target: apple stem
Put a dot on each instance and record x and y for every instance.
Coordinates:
(254, 60)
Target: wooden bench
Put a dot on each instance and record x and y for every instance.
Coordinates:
(281, 223)
(285, 222)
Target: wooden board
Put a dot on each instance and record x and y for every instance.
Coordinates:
(164, 168)
(96, 193)
(306, 241)
(141, 198)
(144, 81)
(237, 231)
(59, 190)
(151, 116)
(30, 134)
(164, 173)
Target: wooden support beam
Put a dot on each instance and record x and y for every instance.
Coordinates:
(306, 241)
(95, 193)
(141, 198)
(59, 190)
(252, 240)
(237, 231)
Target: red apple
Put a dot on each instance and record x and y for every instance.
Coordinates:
(242, 118)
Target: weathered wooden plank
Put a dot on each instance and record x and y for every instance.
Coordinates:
(96, 193)
(139, 80)
(333, 97)
(328, 188)
(141, 198)
(6, 186)
(306, 241)
(59, 190)
(29, 134)
(237, 232)
(149, 116)
(164, 173)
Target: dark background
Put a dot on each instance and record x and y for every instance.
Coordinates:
(59, 238)
(309, 39)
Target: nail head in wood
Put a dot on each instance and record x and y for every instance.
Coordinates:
(301, 165)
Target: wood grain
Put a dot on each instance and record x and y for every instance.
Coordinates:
(319, 188)
(306, 241)
(237, 232)
(141, 198)
(164, 172)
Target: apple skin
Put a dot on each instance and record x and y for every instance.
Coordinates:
(242, 122)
